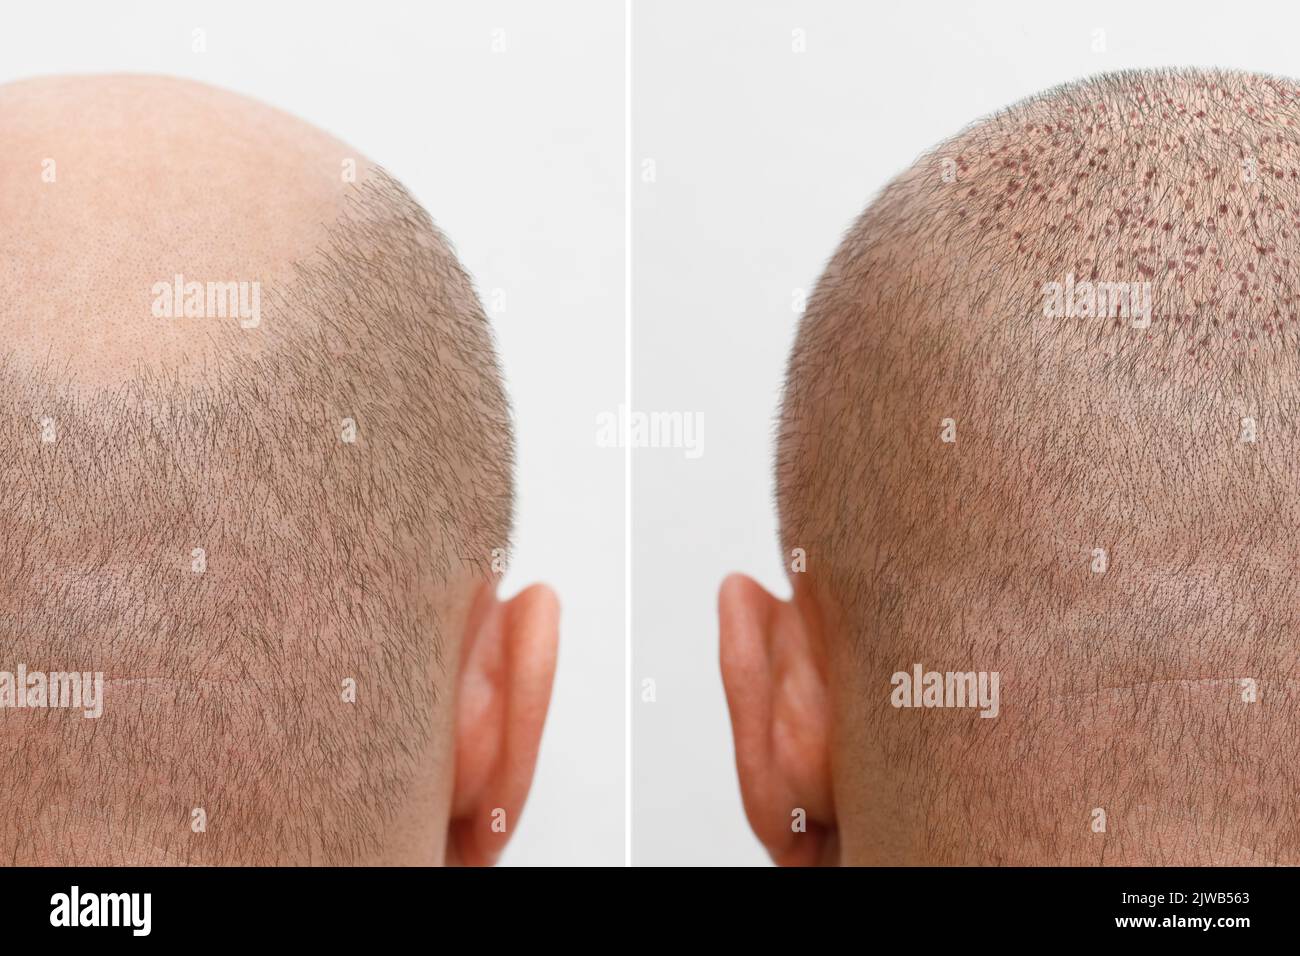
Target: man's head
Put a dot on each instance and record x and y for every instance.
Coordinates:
(256, 464)
(1042, 421)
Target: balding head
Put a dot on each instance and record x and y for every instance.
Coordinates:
(256, 460)
(1040, 420)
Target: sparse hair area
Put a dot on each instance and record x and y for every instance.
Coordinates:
(233, 548)
(989, 471)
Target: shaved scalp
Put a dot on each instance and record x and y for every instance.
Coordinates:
(1165, 453)
(325, 559)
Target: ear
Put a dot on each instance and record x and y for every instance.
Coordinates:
(503, 690)
(775, 677)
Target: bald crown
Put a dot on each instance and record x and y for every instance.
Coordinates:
(255, 451)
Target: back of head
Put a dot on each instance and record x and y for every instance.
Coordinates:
(1041, 421)
(255, 458)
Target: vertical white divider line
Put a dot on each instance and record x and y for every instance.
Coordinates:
(627, 445)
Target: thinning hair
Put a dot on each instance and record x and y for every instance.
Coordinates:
(1112, 527)
(336, 483)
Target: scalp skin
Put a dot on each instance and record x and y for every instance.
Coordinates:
(326, 560)
(1121, 690)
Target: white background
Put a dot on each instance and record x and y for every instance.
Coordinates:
(763, 159)
(518, 156)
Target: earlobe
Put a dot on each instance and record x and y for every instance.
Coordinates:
(774, 674)
(503, 691)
